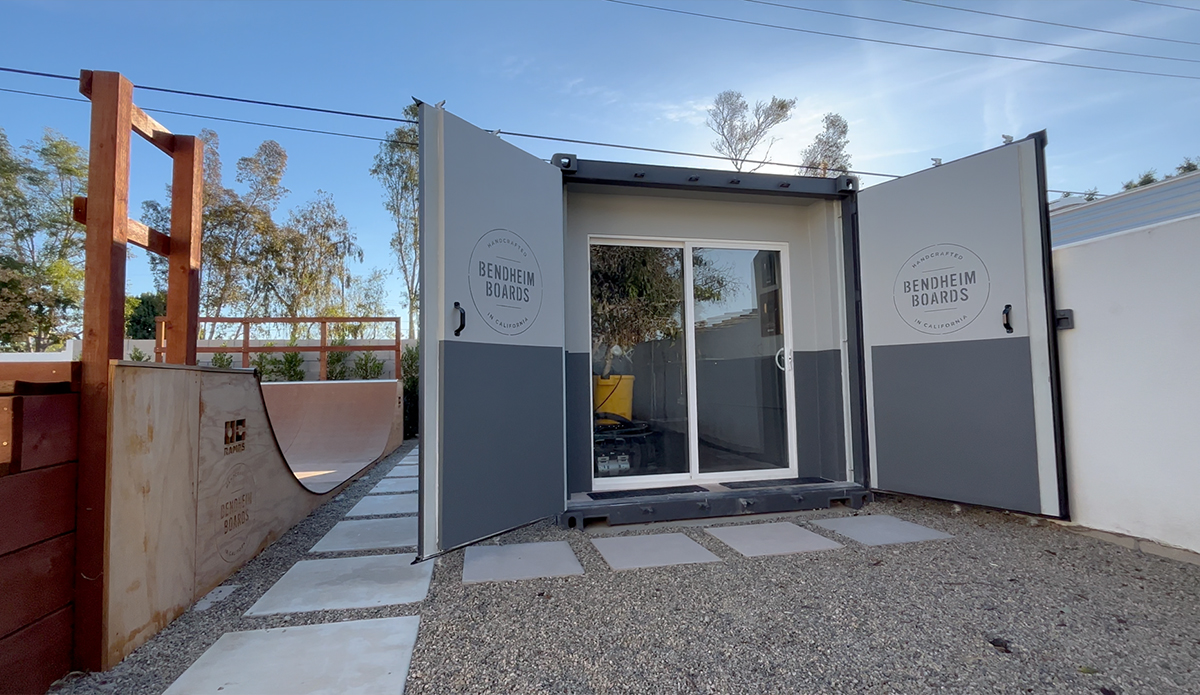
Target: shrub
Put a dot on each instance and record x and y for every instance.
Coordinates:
(291, 367)
(137, 355)
(410, 368)
(268, 365)
(367, 366)
(336, 363)
(221, 360)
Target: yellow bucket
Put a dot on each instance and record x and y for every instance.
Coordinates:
(614, 395)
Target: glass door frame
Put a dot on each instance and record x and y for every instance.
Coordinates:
(693, 476)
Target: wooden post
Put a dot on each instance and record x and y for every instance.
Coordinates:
(245, 345)
(103, 330)
(183, 274)
(159, 338)
(324, 355)
(399, 350)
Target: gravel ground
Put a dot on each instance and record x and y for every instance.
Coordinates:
(1010, 604)
(1070, 614)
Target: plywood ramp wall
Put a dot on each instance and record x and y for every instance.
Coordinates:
(150, 563)
(197, 487)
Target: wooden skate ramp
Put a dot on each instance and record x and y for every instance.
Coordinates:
(330, 430)
(204, 474)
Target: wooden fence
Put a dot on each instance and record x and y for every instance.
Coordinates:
(39, 427)
(245, 349)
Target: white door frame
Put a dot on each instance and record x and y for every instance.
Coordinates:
(694, 475)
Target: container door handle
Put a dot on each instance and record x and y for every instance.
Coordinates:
(462, 319)
(778, 360)
(1008, 318)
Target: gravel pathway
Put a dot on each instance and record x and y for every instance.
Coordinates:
(1008, 605)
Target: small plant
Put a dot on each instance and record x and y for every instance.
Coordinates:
(291, 367)
(410, 365)
(410, 369)
(336, 367)
(367, 366)
(221, 360)
(268, 365)
(137, 355)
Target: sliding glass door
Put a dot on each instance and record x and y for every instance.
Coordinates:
(691, 363)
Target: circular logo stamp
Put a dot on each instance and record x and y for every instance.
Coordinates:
(941, 289)
(505, 282)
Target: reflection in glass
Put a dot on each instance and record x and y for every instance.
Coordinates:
(741, 387)
(639, 365)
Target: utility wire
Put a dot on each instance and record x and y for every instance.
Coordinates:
(196, 115)
(1053, 24)
(498, 132)
(365, 137)
(1167, 4)
(972, 33)
(683, 154)
(224, 98)
(900, 43)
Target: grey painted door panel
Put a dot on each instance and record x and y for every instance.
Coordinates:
(955, 421)
(579, 422)
(492, 325)
(955, 331)
(504, 442)
(820, 419)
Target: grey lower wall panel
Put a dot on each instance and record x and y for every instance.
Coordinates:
(955, 421)
(820, 417)
(579, 422)
(503, 438)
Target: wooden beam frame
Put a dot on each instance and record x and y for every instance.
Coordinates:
(105, 212)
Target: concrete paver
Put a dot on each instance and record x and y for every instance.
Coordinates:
(390, 486)
(349, 582)
(373, 505)
(881, 529)
(369, 534)
(783, 538)
(356, 657)
(494, 563)
(659, 550)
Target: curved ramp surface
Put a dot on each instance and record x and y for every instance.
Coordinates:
(330, 430)
(201, 480)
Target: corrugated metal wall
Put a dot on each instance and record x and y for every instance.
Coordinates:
(1166, 200)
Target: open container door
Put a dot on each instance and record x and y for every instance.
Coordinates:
(492, 401)
(960, 358)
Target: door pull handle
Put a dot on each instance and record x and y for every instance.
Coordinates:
(462, 319)
(778, 363)
(1008, 318)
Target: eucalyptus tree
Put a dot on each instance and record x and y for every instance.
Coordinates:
(41, 245)
(740, 131)
(397, 167)
(827, 156)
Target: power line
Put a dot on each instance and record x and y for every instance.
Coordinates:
(1053, 24)
(219, 118)
(498, 132)
(220, 97)
(972, 33)
(900, 43)
(684, 154)
(1167, 4)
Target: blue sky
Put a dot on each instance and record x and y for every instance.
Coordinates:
(600, 71)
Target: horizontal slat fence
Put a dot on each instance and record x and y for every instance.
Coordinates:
(39, 423)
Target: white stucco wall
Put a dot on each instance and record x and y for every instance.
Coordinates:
(1131, 381)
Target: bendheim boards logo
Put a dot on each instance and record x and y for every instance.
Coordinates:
(941, 289)
(505, 282)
